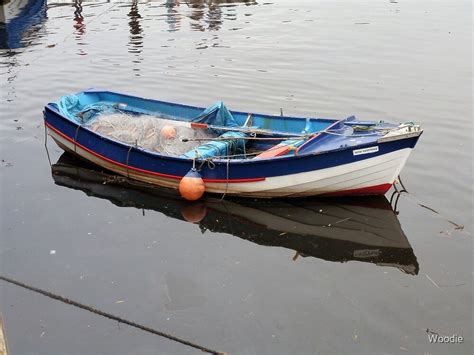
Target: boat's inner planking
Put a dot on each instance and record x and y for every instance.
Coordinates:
(255, 136)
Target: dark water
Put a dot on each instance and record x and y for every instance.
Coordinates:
(302, 277)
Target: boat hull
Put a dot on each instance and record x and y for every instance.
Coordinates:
(370, 176)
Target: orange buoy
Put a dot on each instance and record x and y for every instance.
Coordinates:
(168, 132)
(191, 186)
(193, 212)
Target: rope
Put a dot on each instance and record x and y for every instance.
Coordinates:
(245, 138)
(108, 315)
(126, 164)
(210, 164)
(420, 203)
(46, 145)
(75, 138)
(352, 135)
(226, 180)
(229, 217)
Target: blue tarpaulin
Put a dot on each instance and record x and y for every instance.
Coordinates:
(217, 115)
(71, 107)
(219, 148)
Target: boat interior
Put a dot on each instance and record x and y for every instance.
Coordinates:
(214, 132)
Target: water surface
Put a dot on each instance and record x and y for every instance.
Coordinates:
(241, 280)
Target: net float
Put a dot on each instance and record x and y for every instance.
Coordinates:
(191, 186)
(168, 132)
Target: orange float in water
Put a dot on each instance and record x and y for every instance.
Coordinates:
(168, 132)
(193, 212)
(191, 186)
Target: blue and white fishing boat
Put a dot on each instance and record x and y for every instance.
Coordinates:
(229, 152)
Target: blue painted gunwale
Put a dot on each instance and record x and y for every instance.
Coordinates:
(240, 169)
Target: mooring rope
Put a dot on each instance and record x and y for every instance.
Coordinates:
(75, 137)
(226, 180)
(420, 203)
(46, 145)
(128, 157)
(109, 315)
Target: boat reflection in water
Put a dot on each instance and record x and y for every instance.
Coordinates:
(340, 230)
(20, 20)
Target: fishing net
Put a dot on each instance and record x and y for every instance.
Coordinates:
(151, 133)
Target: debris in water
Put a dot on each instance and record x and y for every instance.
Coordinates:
(355, 336)
(343, 220)
(429, 278)
(6, 164)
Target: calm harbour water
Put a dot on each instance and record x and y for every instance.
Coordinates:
(242, 281)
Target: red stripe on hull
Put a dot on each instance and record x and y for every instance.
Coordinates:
(372, 190)
(175, 177)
